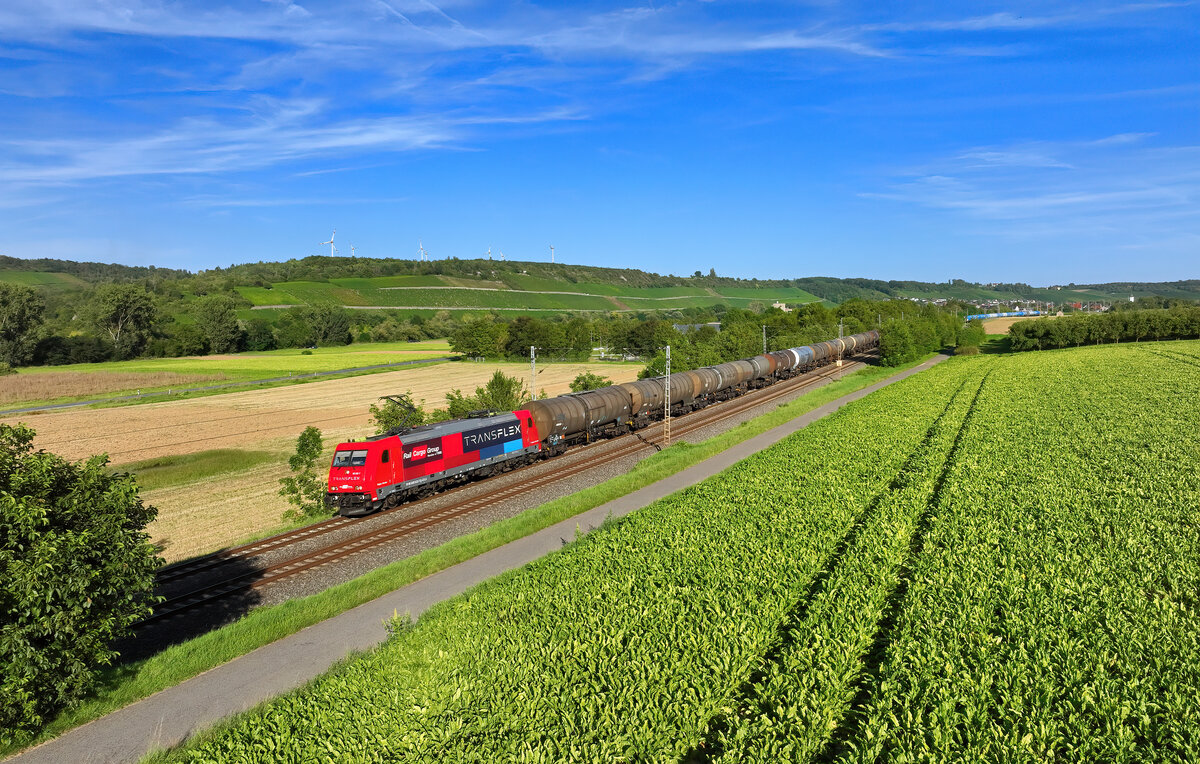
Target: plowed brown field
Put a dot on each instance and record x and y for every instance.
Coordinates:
(207, 515)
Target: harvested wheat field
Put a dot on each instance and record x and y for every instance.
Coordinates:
(273, 418)
(1000, 325)
(206, 515)
(201, 517)
(17, 388)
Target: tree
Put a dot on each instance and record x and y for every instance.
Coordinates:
(259, 335)
(896, 344)
(397, 412)
(480, 338)
(77, 568)
(304, 489)
(501, 393)
(21, 310)
(589, 381)
(972, 334)
(190, 340)
(217, 319)
(330, 324)
(125, 313)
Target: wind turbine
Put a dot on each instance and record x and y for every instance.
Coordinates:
(352, 248)
(489, 252)
(551, 253)
(332, 248)
(501, 255)
(422, 253)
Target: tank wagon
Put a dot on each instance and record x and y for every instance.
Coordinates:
(385, 470)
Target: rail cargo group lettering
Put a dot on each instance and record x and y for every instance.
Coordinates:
(477, 440)
(419, 453)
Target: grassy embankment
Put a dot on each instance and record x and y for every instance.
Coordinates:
(126, 684)
(169, 471)
(66, 384)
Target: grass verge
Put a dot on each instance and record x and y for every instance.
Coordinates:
(167, 471)
(125, 684)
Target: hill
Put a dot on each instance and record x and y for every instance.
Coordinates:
(455, 284)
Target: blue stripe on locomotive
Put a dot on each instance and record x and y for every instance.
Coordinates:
(496, 449)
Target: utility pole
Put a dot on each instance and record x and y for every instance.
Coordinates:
(841, 345)
(533, 372)
(667, 401)
(764, 339)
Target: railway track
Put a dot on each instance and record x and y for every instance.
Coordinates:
(243, 581)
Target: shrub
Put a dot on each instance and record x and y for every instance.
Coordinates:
(77, 569)
(396, 412)
(589, 381)
(305, 352)
(966, 350)
(5, 369)
(305, 490)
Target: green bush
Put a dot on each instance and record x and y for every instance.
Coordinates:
(589, 381)
(77, 569)
(966, 350)
(305, 489)
(6, 369)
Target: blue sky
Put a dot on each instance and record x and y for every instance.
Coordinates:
(1042, 142)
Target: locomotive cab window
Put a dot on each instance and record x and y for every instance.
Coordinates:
(349, 458)
(384, 459)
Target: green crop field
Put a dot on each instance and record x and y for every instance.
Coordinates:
(482, 298)
(41, 279)
(264, 296)
(390, 281)
(957, 568)
(770, 295)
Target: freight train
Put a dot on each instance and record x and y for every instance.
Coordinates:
(385, 470)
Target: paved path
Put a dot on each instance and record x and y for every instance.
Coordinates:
(247, 383)
(169, 717)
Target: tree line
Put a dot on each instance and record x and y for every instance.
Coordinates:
(1179, 322)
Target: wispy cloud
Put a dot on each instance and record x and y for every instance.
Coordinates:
(1115, 185)
(1096, 14)
(292, 131)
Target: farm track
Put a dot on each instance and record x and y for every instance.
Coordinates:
(242, 577)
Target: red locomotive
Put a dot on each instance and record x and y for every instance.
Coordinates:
(388, 469)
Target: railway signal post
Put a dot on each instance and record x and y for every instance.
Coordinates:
(533, 372)
(667, 401)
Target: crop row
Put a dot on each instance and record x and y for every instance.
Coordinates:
(799, 696)
(628, 644)
(1052, 615)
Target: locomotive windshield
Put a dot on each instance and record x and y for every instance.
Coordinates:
(349, 458)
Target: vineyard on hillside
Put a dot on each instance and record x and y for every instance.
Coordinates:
(995, 560)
